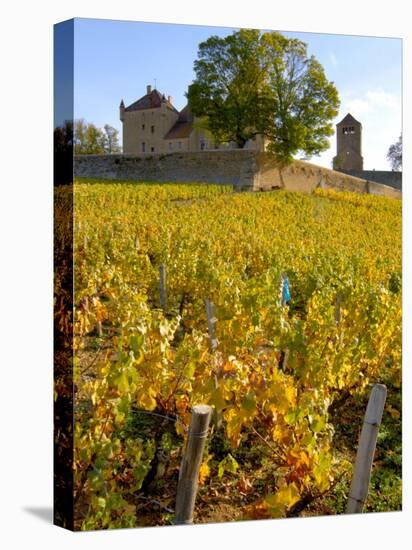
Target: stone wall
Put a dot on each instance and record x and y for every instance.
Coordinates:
(233, 167)
(305, 176)
(387, 177)
(245, 169)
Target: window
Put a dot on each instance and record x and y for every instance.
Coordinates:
(143, 147)
(202, 145)
(348, 130)
(179, 144)
(143, 126)
(170, 146)
(152, 149)
(152, 129)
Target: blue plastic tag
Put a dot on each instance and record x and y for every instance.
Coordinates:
(285, 290)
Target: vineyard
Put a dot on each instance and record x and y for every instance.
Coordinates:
(289, 372)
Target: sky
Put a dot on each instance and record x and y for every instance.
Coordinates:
(115, 60)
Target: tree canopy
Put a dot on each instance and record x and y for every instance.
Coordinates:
(394, 155)
(89, 140)
(252, 83)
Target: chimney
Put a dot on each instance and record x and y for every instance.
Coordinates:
(169, 99)
(149, 88)
(122, 110)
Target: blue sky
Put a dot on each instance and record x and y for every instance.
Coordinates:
(115, 60)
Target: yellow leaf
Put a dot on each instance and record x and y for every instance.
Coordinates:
(204, 471)
(290, 393)
(182, 403)
(180, 429)
(233, 419)
(146, 399)
(393, 412)
(283, 499)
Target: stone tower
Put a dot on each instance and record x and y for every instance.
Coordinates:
(348, 145)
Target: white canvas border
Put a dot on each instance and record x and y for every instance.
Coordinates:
(26, 275)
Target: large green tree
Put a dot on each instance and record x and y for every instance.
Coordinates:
(262, 83)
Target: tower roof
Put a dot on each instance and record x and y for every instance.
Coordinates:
(348, 119)
(152, 100)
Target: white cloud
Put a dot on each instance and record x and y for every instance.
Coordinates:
(380, 98)
(370, 102)
(358, 106)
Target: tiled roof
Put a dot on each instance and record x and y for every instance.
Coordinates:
(179, 130)
(183, 126)
(153, 100)
(348, 119)
(185, 114)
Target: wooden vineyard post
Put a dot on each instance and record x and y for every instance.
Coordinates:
(162, 278)
(366, 449)
(189, 468)
(338, 302)
(211, 327)
(211, 324)
(338, 315)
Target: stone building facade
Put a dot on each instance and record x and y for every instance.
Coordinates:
(348, 145)
(153, 125)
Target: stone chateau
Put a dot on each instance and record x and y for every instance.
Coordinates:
(152, 124)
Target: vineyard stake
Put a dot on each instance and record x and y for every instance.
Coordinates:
(338, 302)
(162, 276)
(211, 327)
(366, 450)
(191, 461)
(211, 324)
(284, 300)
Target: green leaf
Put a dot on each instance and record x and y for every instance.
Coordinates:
(318, 424)
(249, 402)
(228, 464)
(122, 382)
(101, 502)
